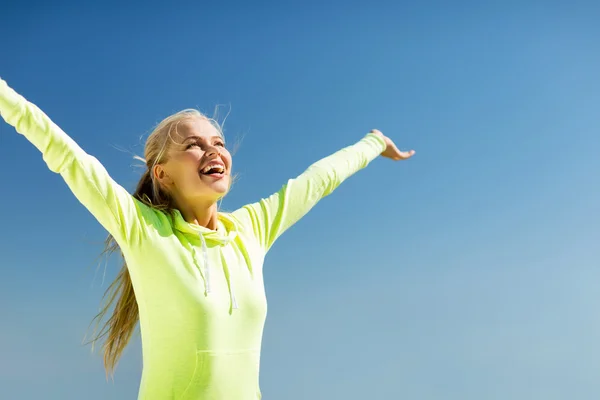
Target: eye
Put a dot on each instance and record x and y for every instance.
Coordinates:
(189, 146)
(220, 143)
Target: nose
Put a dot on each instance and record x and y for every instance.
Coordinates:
(212, 151)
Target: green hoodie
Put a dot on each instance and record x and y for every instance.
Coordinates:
(200, 292)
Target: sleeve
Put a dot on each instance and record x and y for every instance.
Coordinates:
(272, 216)
(116, 210)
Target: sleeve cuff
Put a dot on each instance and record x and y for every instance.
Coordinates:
(375, 141)
(9, 100)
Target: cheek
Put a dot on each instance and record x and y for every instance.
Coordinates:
(226, 157)
(184, 165)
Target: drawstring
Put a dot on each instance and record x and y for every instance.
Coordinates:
(206, 266)
(232, 299)
(202, 273)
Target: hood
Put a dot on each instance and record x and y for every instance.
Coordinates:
(227, 229)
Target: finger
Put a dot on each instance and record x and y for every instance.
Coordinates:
(403, 155)
(397, 151)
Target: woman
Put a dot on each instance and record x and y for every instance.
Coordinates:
(192, 275)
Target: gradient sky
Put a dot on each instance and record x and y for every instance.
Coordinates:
(469, 272)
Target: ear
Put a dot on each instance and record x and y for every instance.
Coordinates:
(161, 176)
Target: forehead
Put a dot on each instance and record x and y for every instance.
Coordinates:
(196, 127)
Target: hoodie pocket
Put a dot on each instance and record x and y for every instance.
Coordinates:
(227, 374)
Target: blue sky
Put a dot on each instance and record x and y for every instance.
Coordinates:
(469, 272)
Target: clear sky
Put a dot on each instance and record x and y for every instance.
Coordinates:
(468, 272)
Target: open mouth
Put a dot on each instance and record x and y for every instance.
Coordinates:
(216, 170)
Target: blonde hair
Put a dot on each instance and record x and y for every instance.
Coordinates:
(119, 328)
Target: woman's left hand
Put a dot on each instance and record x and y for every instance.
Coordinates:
(391, 151)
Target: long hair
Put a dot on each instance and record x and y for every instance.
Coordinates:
(119, 328)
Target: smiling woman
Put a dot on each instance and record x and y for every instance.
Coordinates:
(192, 275)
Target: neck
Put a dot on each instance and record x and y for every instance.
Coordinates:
(205, 215)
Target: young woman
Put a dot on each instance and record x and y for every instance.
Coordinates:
(192, 275)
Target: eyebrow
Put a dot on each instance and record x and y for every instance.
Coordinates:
(195, 138)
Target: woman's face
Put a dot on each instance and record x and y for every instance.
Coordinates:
(198, 166)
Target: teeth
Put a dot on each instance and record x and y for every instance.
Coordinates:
(215, 168)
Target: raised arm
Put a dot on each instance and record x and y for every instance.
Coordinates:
(108, 202)
(272, 216)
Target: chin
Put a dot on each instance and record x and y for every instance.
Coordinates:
(221, 188)
(210, 188)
